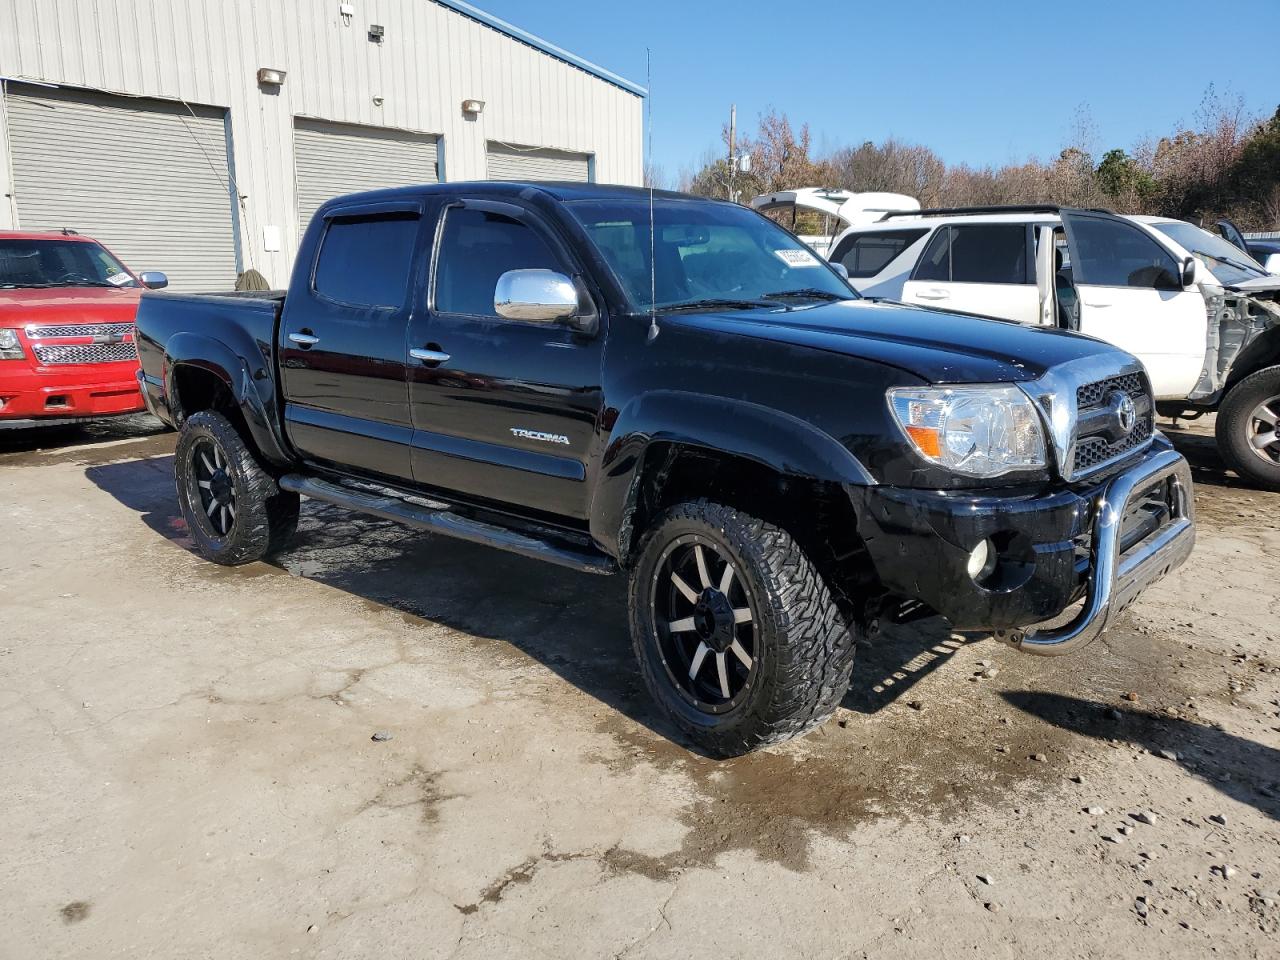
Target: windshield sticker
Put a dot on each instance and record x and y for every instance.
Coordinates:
(797, 258)
(119, 279)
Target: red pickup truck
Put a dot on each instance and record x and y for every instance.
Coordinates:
(67, 350)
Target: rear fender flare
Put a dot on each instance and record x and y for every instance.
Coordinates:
(247, 390)
(785, 444)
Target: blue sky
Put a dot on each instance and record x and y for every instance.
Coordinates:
(991, 82)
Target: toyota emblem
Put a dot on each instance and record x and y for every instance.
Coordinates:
(1125, 413)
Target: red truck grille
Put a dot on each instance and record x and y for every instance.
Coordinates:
(80, 330)
(49, 353)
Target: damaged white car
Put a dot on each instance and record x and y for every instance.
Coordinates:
(1202, 316)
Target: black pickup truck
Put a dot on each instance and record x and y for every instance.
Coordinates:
(678, 390)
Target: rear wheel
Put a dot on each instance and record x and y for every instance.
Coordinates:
(738, 637)
(235, 511)
(1247, 429)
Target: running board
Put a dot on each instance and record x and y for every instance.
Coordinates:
(442, 521)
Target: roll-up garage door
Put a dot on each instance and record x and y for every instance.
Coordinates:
(510, 162)
(147, 178)
(331, 159)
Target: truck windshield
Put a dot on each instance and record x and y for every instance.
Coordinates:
(705, 255)
(59, 263)
(1227, 262)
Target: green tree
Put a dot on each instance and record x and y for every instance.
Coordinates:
(1124, 180)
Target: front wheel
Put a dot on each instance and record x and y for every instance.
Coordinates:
(235, 511)
(738, 637)
(1247, 428)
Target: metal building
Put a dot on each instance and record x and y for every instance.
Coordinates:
(197, 137)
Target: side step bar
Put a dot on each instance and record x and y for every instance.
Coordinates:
(442, 521)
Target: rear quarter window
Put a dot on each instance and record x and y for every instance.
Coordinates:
(866, 254)
(364, 261)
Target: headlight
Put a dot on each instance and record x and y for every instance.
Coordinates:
(10, 348)
(976, 431)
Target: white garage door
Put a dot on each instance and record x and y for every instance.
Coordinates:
(508, 161)
(145, 177)
(331, 159)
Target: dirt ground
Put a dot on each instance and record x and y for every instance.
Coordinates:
(187, 769)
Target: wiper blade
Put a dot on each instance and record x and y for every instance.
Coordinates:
(84, 283)
(713, 303)
(808, 293)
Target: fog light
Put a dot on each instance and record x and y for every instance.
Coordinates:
(982, 561)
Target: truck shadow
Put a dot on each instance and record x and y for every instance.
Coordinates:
(574, 624)
(44, 439)
(1246, 771)
(1201, 451)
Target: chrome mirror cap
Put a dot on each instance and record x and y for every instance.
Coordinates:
(153, 279)
(538, 295)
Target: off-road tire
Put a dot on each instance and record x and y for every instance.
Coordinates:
(266, 517)
(1232, 429)
(805, 645)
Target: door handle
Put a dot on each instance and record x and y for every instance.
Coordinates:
(1097, 304)
(933, 295)
(428, 356)
(304, 339)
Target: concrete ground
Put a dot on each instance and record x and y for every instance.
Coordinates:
(187, 769)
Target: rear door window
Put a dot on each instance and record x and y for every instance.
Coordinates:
(364, 260)
(866, 254)
(989, 253)
(976, 253)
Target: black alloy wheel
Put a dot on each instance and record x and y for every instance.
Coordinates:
(234, 509)
(737, 635)
(705, 620)
(215, 490)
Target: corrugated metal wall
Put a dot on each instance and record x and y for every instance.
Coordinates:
(146, 178)
(510, 162)
(431, 59)
(333, 159)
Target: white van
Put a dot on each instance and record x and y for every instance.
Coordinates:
(1202, 316)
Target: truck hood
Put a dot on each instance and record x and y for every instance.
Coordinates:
(1267, 284)
(20, 307)
(934, 345)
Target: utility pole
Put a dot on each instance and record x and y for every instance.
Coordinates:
(733, 161)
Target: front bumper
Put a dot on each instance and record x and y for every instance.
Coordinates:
(1104, 543)
(36, 396)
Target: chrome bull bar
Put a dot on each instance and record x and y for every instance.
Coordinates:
(1116, 579)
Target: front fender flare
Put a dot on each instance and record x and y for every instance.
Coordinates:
(254, 395)
(785, 444)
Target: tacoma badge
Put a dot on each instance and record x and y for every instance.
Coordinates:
(539, 435)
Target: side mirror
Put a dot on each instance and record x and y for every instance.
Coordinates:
(542, 296)
(153, 279)
(1272, 263)
(841, 269)
(1190, 269)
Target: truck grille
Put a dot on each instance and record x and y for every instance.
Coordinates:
(48, 353)
(1093, 451)
(1092, 394)
(80, 330)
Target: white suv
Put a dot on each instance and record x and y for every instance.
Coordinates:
(1201, 315)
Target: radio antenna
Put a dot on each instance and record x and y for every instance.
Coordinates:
(653, 263)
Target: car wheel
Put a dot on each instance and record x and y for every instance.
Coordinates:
(738, 637)
(234, 510)
(1247, 428)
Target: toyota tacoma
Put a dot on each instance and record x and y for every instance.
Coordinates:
(676, 390)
